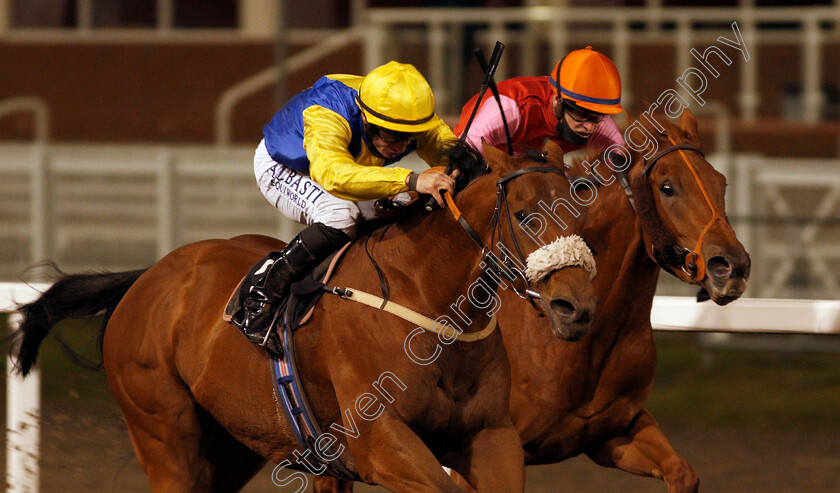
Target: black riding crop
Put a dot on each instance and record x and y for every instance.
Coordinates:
(488, 79)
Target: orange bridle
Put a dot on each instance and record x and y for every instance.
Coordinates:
(693, 264)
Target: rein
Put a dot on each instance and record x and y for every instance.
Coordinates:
(506, 267)
(488, 257)
(691, 262)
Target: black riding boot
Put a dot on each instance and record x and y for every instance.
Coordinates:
(269, 281)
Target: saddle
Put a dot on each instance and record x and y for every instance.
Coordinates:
(296, 309)
(291, 314)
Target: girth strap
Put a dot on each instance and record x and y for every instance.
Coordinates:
(292, 399)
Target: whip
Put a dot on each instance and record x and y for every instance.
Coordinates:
(488, 81)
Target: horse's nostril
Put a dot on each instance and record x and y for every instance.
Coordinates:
(585, 317)
(719, 267)
(563, 308)
(567, 311)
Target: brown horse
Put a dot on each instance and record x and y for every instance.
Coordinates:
(199, 400)
(569, 398)
(591, 399)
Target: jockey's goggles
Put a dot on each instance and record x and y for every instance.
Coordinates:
(581, 115)
(391, 137)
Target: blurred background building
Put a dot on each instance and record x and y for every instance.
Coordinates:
(127, 127)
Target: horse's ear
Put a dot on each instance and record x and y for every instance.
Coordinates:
(495, 158)
(689, 126)
(554, 151)
(652, 124)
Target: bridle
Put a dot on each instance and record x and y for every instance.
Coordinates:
(691, 262)
(503, 264)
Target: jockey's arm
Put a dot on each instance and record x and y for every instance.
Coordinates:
(606, 135)
(326, 138)
(430, 144)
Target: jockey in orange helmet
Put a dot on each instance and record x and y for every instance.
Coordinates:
(322, 154)
(570, 107)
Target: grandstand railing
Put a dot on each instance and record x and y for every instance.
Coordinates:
(23, 401)
(125, 206)
(271, 75)
(788, 213)
(441, 30)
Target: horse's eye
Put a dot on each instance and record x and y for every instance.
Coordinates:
(520, 215)
(666, 189)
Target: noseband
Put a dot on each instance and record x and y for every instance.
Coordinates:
(691, 262)
(503, 264)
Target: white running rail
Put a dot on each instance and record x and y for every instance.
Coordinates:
(23, 403)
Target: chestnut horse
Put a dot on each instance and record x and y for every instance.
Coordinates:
(591, 398)
(587, 397)
(199, 399)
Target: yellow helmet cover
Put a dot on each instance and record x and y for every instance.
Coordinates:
(397, 97)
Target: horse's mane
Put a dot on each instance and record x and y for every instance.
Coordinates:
(466, 159)
(672, 129)
(575, 168)
(457, 155)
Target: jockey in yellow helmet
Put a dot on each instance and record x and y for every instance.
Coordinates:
(322, 154)
(570, 107)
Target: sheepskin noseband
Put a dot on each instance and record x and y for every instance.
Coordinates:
(562, 252)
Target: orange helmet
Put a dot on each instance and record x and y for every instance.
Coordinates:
(590, 79)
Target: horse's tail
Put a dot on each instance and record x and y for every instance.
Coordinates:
(72, 296)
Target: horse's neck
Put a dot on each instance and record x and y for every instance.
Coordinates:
(628, 277)
(436, 261)
(611, 213)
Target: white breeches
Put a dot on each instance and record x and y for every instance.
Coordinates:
(301, 199)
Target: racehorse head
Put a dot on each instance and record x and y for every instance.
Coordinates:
(679, 198)
(533, 233)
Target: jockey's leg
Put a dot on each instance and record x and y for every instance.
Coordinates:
(332, 222)
(269, 280)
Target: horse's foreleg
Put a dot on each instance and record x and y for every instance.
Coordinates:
(644, 450)
(388, 453)
(326, 484)
(493, 461)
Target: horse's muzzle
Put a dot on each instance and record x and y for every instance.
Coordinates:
(727, 276)
(570, 321)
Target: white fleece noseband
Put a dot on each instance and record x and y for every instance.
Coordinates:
(562, 252)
